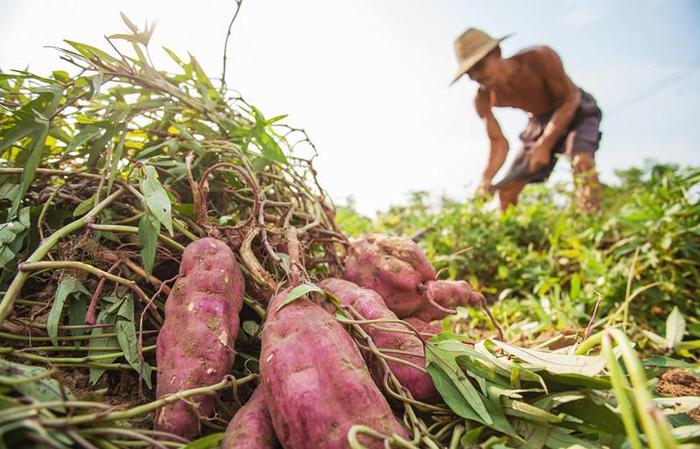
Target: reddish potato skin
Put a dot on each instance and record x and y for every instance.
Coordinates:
(195, 344)
(371, 306)
(399, 271)
(251, 426)
(391, 266)
(448, 294)
(409, 251)
(426, 329)
(316, 384)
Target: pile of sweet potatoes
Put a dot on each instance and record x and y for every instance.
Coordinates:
(399, 271)
(315, 383)
(387, 335)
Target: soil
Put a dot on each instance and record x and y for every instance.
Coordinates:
(122, 387)
(679, 382)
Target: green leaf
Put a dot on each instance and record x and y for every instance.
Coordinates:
(535, 433)
(667, 362)
(148, 239)
(560, 439)
(24, 217)
(12, 235)
(506, 366)
(23, 129)
(675, 328)
(471, 437)
(298, 292)
(174, 57)
(85, 135)
(68, 286)
(32, 122)
(269, 147)
(129, 23)
(687, 433)
(575, 286)
(202, 78)
(207, 442)
(450, 394)
(658, 340)
(495, 409)
(95, 84)
(45, 389)
(275, 119)
(595, 415)
(6, 256)
(250, 327)
(114, 163)
(9, 231)
(530, 412)
(577, 380)
(446, 361)
(554, 362)
(84, 207)
(477, 367)
(156, 198)
(89, 52)
(107, 315)
(77, 309)
(128, 341)
(36, 150)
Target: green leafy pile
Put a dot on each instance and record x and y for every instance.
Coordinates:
(106, 173)
(516, 397)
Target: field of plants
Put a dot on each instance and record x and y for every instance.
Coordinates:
(174, 276)
(545, 265)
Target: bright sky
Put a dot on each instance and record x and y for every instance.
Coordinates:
(368, 78)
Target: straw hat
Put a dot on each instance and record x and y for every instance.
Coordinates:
(471, 47)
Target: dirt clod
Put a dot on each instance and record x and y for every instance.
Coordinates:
(678, 382)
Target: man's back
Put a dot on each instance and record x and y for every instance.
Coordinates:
(538, 85)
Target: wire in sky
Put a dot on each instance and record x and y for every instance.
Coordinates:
(654, 88)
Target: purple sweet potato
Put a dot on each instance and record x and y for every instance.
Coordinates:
(195, 344)
(391, 266)
(425, 328)
(317, 385)
(445, 295)
(371, 306)
(408, 251)
(399, 271)
(251, 426)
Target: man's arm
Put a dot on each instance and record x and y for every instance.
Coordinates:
(560, 85)
(498, 144)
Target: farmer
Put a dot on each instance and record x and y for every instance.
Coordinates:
(562, 118)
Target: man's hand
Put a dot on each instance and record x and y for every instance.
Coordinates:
(539, 157)
(484, 190)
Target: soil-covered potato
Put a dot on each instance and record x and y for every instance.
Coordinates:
(195, 344)
(251, 426)
(316, 383)
(371, 306)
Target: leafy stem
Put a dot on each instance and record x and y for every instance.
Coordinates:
(46, 245)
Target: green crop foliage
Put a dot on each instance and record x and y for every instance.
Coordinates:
(546, 265)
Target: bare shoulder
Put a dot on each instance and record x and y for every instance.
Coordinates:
(538, 55)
